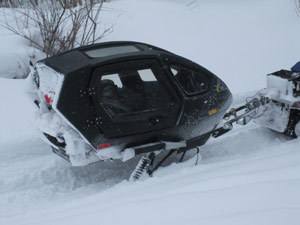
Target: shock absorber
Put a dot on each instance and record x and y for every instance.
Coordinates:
(142, 166)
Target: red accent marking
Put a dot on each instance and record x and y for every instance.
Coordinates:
(48, 99)
(298, 105)
(107, 145)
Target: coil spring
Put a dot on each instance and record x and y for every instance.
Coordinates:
(142, 166)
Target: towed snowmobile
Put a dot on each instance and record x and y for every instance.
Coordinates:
(116, 100)
(276, 107)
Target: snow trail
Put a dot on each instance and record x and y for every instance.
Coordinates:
(31, 176)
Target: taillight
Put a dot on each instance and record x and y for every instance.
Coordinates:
(106, 145)
(49, 98)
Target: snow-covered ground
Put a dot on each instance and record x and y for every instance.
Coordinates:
(250, 176)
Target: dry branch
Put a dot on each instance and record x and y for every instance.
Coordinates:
(55, 26)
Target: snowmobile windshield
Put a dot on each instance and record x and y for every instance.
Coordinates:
(192, 82)
(108, 51)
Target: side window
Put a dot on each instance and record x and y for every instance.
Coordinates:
(191, 81)
(129, 91)
(147, 75)
(113, 77)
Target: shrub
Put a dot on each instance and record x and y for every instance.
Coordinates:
(55, 26)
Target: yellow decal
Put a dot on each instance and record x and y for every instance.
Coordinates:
(211, 112)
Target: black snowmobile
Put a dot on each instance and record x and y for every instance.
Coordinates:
(116, 100)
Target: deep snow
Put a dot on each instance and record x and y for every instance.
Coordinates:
(250, 176)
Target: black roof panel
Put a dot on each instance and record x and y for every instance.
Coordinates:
(77, 58)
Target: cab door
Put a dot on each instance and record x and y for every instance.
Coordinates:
(133, 97)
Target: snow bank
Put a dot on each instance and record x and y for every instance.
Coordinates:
(256, 185)
(16, 113)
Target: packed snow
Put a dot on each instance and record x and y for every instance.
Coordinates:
(249, 176)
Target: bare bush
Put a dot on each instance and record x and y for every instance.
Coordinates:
(55, 26)
(17, 3)
(297, 7)
(7, 3)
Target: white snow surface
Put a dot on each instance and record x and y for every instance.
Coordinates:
(250, 176)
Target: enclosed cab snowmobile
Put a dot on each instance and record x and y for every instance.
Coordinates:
(116, 100)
